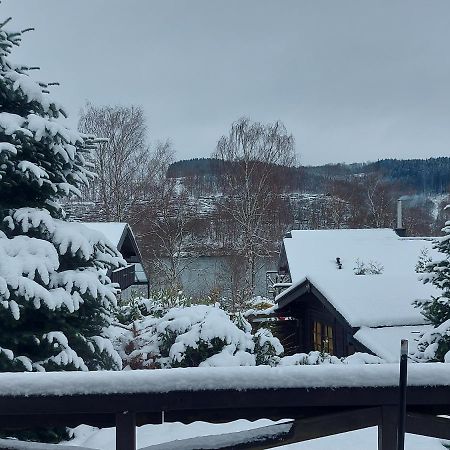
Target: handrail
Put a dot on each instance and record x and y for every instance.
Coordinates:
(220, 378)
(223, 394)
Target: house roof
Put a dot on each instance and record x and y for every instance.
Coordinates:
(385, 341)
(121, 235)
(113, 231)
(363, 300)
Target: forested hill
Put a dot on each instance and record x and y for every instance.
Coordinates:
(421, 175)
(193, 167)
(425, 175)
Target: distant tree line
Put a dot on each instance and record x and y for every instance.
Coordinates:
(422, 176)
(194, 167)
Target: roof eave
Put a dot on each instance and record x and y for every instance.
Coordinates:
(308, 287)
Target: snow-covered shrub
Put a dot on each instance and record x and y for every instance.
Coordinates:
(131, 309)
(162, 301)
(199, 335)
(259, 305)
(362, 358)
(267, 348)
(311, 358)
(317, 358)
(370, 268)
(159, 303)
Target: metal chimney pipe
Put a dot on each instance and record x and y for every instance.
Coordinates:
(399, 214)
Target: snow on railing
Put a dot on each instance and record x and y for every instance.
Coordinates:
(219, 378)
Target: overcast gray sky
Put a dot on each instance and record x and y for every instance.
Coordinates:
(352, 80)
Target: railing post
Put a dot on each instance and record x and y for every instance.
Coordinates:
(402, 399)
(126, 431)
(387, 429)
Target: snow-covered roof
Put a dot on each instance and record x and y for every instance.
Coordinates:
(140, 274)
(113, 231)
(363, 300)
(385, 341)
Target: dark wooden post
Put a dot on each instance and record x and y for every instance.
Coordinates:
(126, 431)
(387, 429)
(402, 399)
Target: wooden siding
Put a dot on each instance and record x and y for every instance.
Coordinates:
(307, 308)
(125, 276)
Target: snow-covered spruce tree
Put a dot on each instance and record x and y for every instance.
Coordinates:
(435, 344)
(55, 297)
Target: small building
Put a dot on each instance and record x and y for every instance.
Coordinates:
(345, 290)
(133, 277)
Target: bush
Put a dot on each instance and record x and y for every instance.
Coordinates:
(317, 358)
(192, 336)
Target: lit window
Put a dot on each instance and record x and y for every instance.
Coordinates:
(323, 337)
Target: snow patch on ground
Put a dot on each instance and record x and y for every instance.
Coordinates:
(155, 435)
(364, 439)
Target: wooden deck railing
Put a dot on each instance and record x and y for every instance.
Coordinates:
(187, 395)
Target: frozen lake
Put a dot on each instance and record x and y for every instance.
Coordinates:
(199, 276)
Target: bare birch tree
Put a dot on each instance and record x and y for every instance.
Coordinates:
(169, 230)
(253, 156)
(381, 198)
(124, 163)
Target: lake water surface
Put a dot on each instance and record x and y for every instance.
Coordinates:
(203, 274)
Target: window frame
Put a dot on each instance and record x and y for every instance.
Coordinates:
(323, 336)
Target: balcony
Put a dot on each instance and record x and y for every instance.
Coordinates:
(277, 282)
(124, 276)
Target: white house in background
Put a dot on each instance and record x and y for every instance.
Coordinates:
(133, 277)
(351, 290)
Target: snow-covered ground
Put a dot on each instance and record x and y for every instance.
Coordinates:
(177, 436)
(152, 435)
(364, 439)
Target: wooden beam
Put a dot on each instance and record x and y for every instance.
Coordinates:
(23, 421)
(245, 439)
(326, 425)
(301, 430)
(427, 425)
(21, 412)
(126, 431)
(387, 429)
(236, 402)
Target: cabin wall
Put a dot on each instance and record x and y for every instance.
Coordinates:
(136, 283)
(307, 311)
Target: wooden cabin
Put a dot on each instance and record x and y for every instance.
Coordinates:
(345, 291)
(133, 277)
